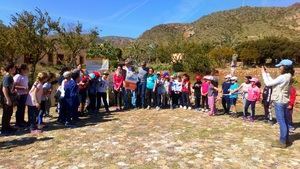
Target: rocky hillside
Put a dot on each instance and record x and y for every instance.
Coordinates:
(235, 25)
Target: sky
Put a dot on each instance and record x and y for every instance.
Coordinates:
(128, 18)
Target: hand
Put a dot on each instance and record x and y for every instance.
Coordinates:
(38, 106)
(8, 102)
(289, 107)
(263, 69)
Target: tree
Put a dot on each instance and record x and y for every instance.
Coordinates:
(249, 56)
(8, 44)
(32, 31)
(221, 55)
(72, 42)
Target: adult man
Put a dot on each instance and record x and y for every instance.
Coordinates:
(141, 86)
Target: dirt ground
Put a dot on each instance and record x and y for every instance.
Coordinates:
(152, 139)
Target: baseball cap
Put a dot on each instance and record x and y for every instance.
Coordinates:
(233, 78)
(285, 62)
(254, 80)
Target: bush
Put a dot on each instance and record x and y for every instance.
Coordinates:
(161, 67)
(177, 67)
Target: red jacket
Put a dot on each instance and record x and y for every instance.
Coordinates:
(292, 96)
(118, 81)
(186, 86)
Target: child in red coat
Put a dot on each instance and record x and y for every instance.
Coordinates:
(291, 107)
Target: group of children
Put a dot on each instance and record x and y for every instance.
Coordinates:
(80, 92)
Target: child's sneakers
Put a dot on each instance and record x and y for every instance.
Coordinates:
(180, 106)
(157, 108)
(148, 108)
(185, 108)
(206, 110)
(190, 108)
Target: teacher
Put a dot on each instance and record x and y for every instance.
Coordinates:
(280, 97)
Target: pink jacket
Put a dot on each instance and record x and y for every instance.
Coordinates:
(253, 93)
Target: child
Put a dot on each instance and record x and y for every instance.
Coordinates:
(225, 91)
(197, 92)
(176, 91)
(244, 90)
(92, 93)
(253, 97)
(266, 101)
(21, 86)
(186, 91)
(34, 100)
(102, 91)
(46, 100)
(159, 89)
(118, 80)
(212, 95)
(167, 94)
(204, 92)
(233, 95)
(291, 106)
(83, 85)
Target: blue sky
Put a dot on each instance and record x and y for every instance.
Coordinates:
(128, 17)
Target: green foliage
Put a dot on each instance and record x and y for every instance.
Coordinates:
(72, 41)
(230, 27)
(221, 55)
(177, 67)
(32, 30)
(268, 48)
(105, 50)
(161, 67)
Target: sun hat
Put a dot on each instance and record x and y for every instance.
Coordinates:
(233, 78)
(105, 73)
(285, 62)
(92, 75)
(227, 76)
(97, 74)
(67, 74)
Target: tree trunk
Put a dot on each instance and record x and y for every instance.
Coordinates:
(32, 75)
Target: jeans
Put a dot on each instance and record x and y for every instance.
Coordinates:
(158, 100)
(92, 104)
(141, 92)
(226, 104)
(204, 102)
(118, 98)
(133, 98)
(42, 111)
(212, 105)
(248, 103)
(290, 118)
(185, 99)
(21, 105)
(102, 96)
(126, 97)
(266, 109)
(282, 119)
(33, 113)
(150, 97)
(197, 102)
(6, 117)
(175, 98)
(165, 100)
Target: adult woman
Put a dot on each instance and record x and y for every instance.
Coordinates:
(151, 78)
(280, 97)
(118, 80)
(21, 86)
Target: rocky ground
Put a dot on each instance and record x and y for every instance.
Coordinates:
(152, 139)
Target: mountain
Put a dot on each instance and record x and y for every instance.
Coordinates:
(117, 41)
(234, 25)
